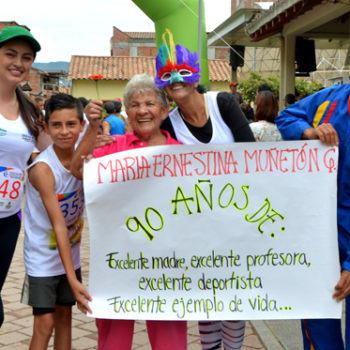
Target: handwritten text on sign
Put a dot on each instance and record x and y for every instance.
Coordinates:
(231, 231)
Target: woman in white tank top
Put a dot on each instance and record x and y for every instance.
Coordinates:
(20, 132)
(201, 118)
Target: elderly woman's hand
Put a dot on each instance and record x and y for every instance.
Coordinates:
(93, 113)
(103, 140)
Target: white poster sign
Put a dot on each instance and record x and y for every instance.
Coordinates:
(221, 232)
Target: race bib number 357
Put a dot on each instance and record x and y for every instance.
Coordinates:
(11, 187)
(72, 205)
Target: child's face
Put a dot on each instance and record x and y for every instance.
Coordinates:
(64, 127)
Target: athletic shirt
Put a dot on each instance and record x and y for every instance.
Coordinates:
(117, 125)
(41, 256)
(16, 146)
(221, 132)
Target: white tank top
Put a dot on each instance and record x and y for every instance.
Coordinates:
(16, 146)
(41, 255)
(221, 132)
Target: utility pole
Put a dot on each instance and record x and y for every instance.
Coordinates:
(254, 59)
(200, 17)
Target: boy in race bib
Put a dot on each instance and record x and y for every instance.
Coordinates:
(53, 220)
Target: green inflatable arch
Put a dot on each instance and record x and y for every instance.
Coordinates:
(182, 22)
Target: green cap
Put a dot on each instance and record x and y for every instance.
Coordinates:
(12, 32)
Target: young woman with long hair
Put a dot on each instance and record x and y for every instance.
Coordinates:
(20, 131)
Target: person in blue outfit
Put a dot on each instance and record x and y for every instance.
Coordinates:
(326, 116)
(112, 125)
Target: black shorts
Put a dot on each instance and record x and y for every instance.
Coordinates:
(43, 293)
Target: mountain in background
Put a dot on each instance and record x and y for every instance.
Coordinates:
(52, 66)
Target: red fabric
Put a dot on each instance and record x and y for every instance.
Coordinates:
(330, 112)
(128, 141)
(163, 335)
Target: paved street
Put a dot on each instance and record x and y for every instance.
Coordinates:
(17, 329)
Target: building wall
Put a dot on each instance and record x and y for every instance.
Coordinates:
(108, 89)
(123, 45)
(147, 51)
(219, 86)
(34, 79)
(119, 51)
(120, 37)
(13, 23)
(222, 54)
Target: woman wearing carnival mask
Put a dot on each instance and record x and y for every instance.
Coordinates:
(212, 117)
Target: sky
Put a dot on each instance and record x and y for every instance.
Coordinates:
(84, 27)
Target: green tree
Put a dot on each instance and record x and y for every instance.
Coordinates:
(307, 87)
(248, 88)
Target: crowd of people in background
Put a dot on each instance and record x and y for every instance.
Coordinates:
(171, 109)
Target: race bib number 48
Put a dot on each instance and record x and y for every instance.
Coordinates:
(11, 187)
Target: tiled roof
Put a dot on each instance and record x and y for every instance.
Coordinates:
(141, 35)
(219, 70)
(110, 67)
(124, 68)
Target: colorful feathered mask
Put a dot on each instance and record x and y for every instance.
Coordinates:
(175, 64)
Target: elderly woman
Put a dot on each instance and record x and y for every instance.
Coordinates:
(147, 107)
(213, 117)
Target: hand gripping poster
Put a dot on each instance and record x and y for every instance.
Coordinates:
(212, 232)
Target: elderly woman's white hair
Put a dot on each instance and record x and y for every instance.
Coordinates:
(140, 84)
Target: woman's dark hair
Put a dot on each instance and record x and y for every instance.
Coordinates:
(201, 89)
(30, 113)
(117, 106)
(263, 87)
(246, 109)
(62, 101)
(290, 98)
(109, 107)
(266, 107)
(83, 101)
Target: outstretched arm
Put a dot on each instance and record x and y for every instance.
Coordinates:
(106, 127)
(87, 144)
